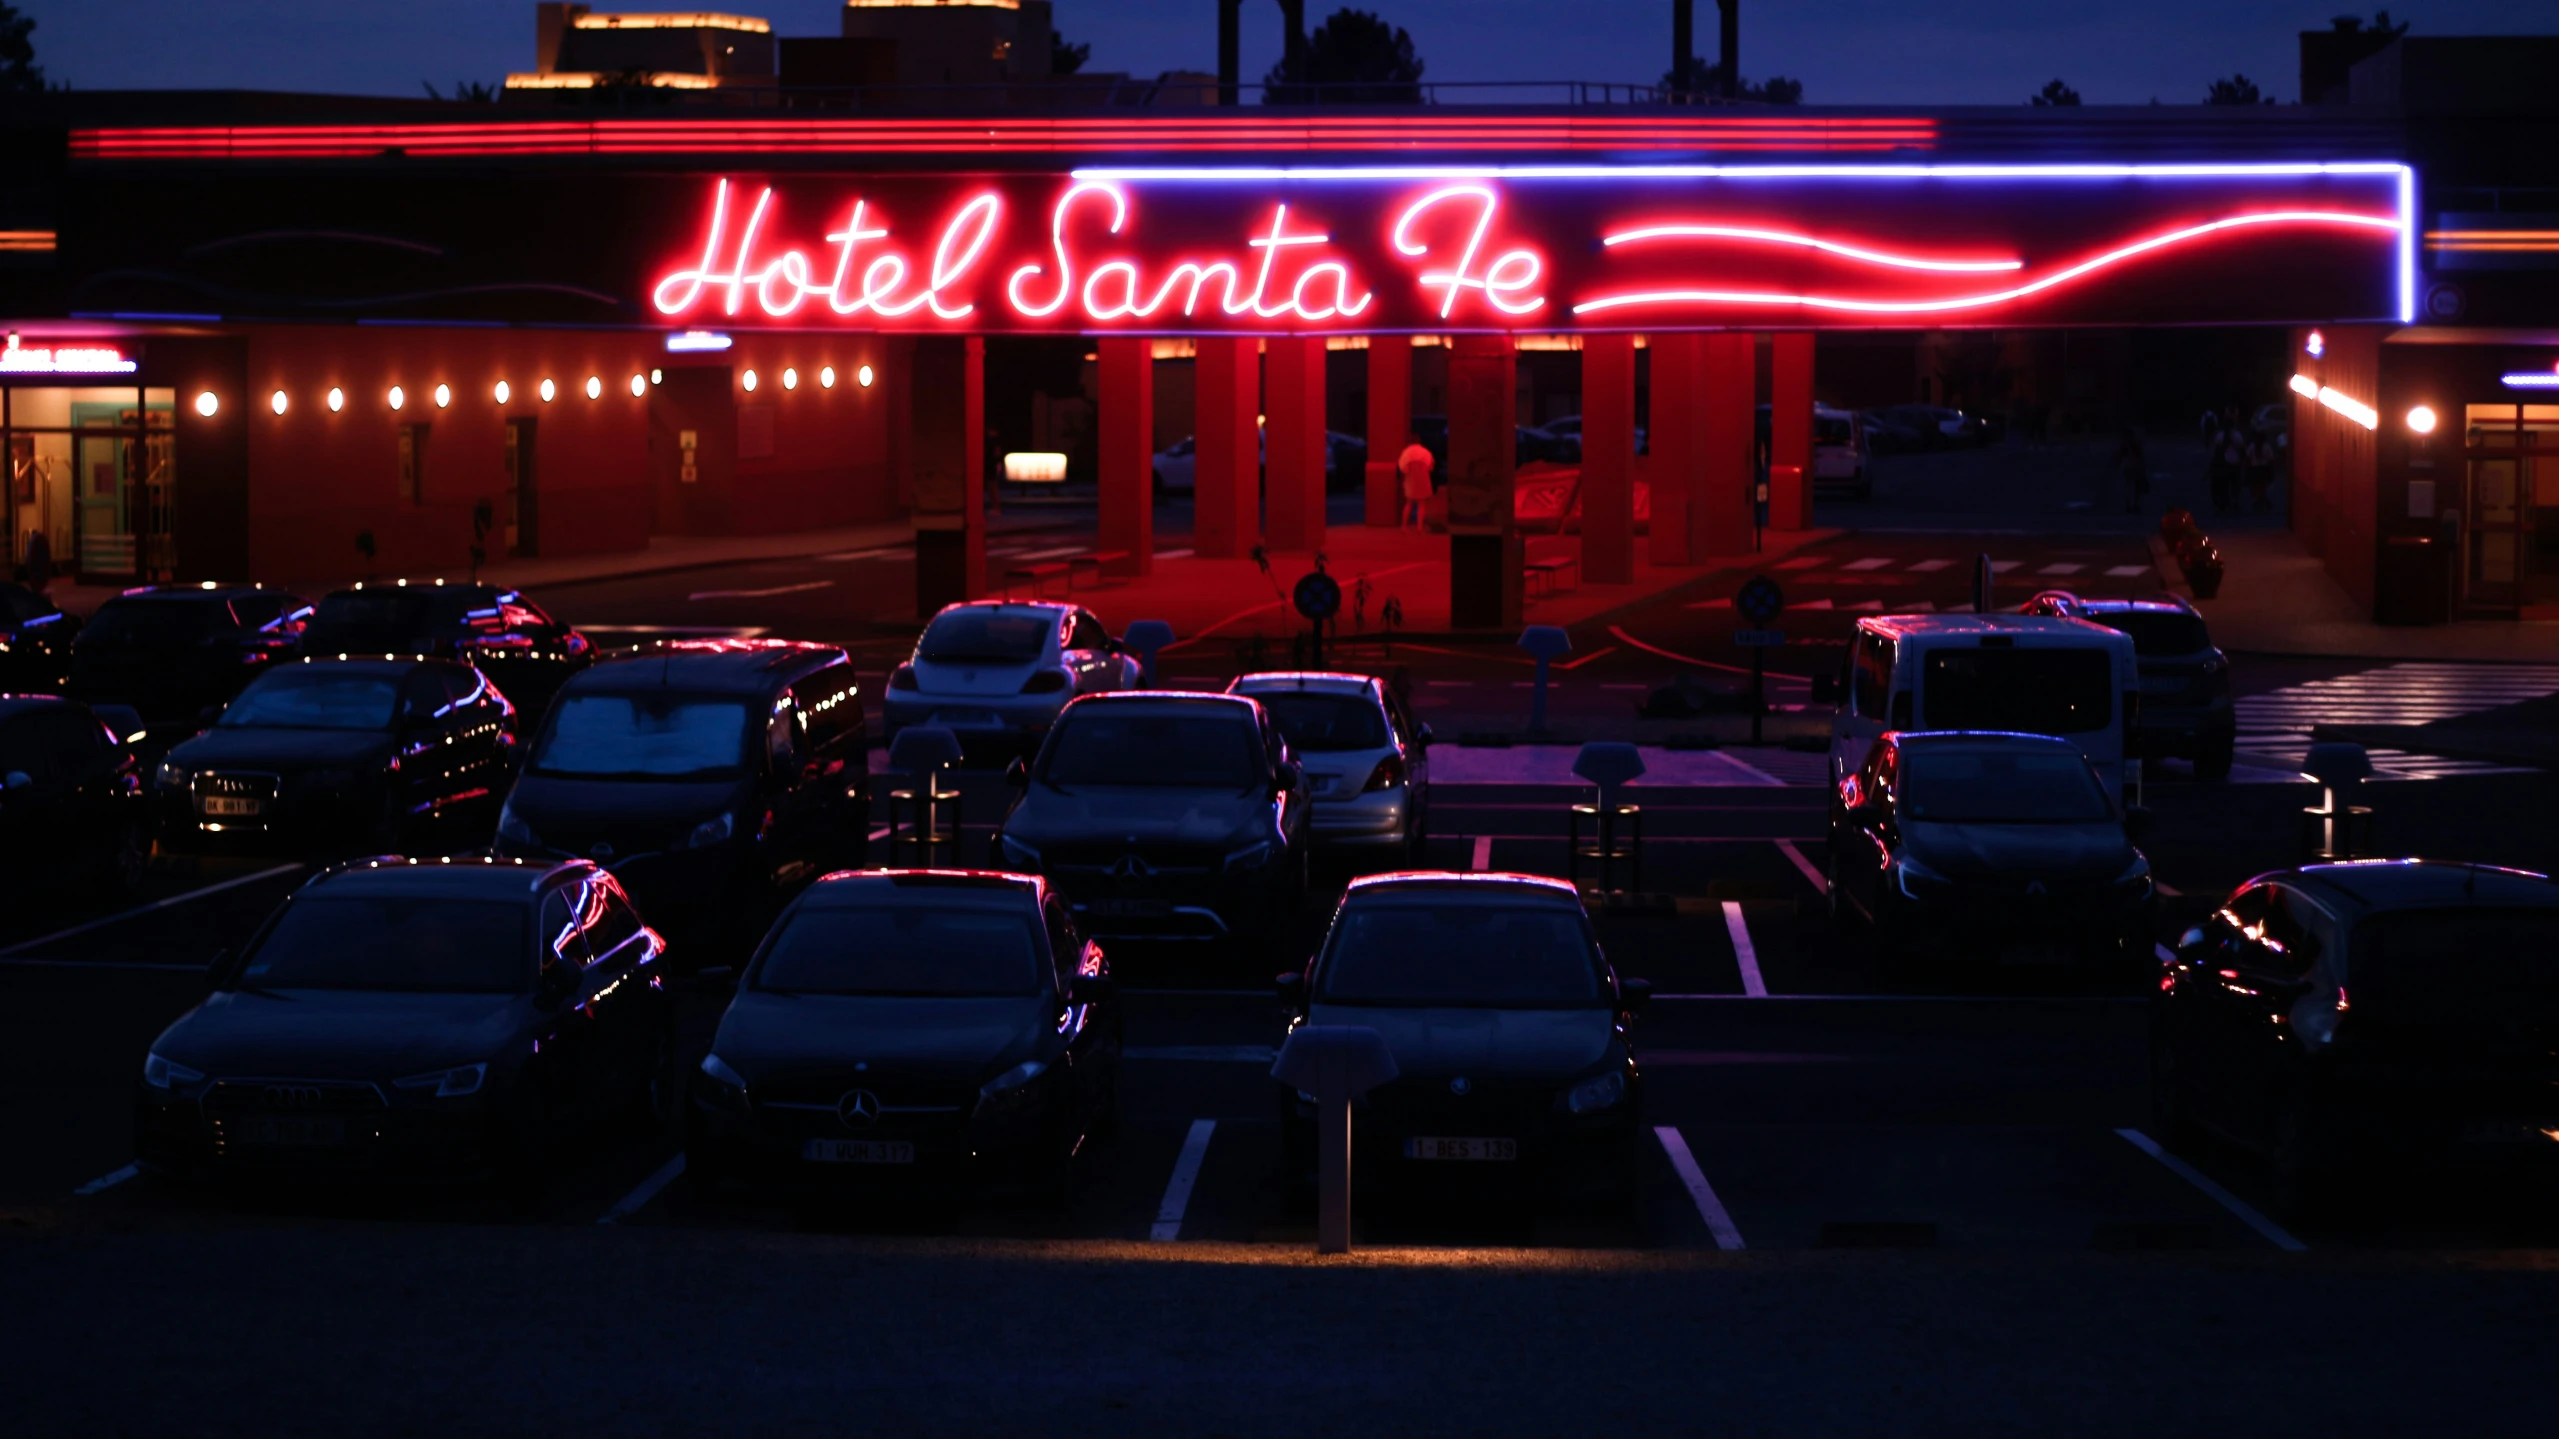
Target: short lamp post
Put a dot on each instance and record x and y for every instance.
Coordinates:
(1337, 1063)
(2337, 828)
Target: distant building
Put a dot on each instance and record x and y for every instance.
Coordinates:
(576, 48)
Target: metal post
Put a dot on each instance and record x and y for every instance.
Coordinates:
(1537, 700)
(1758, 688)
(1333, 1178)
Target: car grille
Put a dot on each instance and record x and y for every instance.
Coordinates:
(236, 784)
(1134, 862)
(232, 1097)
(1426, 1105)
(819, 1107)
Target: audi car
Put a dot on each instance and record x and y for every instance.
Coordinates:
(2357, 1021)
(713, 777)
(329, 757)
(1367, 761)
(1512, 1036)
(996, 674)
(401, 1018)
(1166, 816)
(904, 1024)
(1966, 844)
(2185, 681)
(493, 628)
(178, 653)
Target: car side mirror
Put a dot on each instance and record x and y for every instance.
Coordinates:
(559, 980)
(1291, 774)
(1636, 993)
(2137, 820)
(1017, 774)
(1291, 988)
(2191, 939)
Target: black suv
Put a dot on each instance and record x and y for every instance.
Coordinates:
(35, 641)
(2185, 681)
(713, 777)
(71, 808)
(1166, 816)
(527, 654)
(175, 652)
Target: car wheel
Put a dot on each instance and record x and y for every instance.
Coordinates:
(2215, 760)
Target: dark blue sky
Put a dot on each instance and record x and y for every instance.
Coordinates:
(1845, 51)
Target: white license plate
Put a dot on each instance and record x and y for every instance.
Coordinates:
(1462, 1149)
(857, 1151)
(269, 1129)
(232, 806)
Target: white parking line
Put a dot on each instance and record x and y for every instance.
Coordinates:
(2274, 1233)
(105, 1182)
(1743, 954)
(1709, 1208)
(638, 1199)
(25, 945)
(1177, 1190)
(1483, 853)
(1172, 554)
(2001, 567)
(1804, 866)
(1050, 554)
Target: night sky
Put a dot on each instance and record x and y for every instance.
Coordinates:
(1845, 51)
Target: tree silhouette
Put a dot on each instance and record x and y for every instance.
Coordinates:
(1065, 59)
(19, 71)
(467, 92)
(1353, 58)
(1706, 77)
(2054, 93)
(2237, 90)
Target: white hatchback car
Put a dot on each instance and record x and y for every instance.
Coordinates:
(997, 673)
(1367, 761)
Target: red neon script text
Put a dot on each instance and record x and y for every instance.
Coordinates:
(785, 282)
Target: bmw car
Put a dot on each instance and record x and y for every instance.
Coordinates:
(997, 673)
(1367, 760)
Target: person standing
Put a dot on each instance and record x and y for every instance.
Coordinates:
(1414, 464)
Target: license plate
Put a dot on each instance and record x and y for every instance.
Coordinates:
(232, 805)
(857, 1151)
(2510, 1131)
(1462, 1149)
(1130, 908)
(268, 1129)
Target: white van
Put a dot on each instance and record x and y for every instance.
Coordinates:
(2029, 674)
(1840, 454)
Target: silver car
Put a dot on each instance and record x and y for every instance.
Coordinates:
(998, 673)
(1367, 761)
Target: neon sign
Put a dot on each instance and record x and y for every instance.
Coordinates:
(20, 359)
(1543, 249)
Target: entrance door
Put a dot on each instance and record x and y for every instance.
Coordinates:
(101, 500)
(2499, 529)
(523, 493)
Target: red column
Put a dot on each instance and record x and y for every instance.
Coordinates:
(1790, 431)
(946, 452)
(1608, 459)
(1226, 474)
(1390, 418)
(1674, 439)
(1719, 515)
(1126, 426)
(1293, 469)
(1485, 562)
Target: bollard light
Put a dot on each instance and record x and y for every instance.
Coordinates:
(1336, 1064)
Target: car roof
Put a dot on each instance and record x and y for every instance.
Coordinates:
(369, 664)
(1315, 681)
(732, 667)
(16, 704)
(474, 588)
(2384, 884)
(1041, 607)
(1189, 699)
(850, 887)
(202, 590)
(1533, 887)
(1993, 738)
(2134, 607)
(1965, 623)
(466, 877)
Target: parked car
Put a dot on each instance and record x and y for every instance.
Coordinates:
(2185, 681)
(2035, 674)
(1839, 451)
(1889, 432)
(1968, 846)
(35, 642)
(1166, 816)
(325, 757)
(406, 1019)
(2349, 1021)
(1512, 1035)
(73, 819)
(1367, 760)
(527, 654)
(180, 652)
(997, 673)
(713, 777)
(913, 1024)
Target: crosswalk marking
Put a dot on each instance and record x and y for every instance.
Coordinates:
(2001, 567)
(2277, 725)
(1930, 567)
(2125, 572)
(1805, 562)
(1870, 564)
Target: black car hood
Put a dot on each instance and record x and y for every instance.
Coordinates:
(343, 1034)
(2010, 852)
(773, 1038)
(284, 749)
(1480, 1043)
(634, 814)
(1145, 813)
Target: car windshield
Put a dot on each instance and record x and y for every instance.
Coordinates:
(2001, 786)
(365, 618)
(1458, 951)
(1831, 429)
(422, 944)
(988, 636)
(314, 697)
(654, 735)
(919, 950)
(2030, 691)
(2457, 966)
(2159, 632)
(1318, 723)
(1122, 745)
(156, 622)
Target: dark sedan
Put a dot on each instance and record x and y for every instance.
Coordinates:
(180, 652)
(398, 1018)
(321, 757)
(1511, 1035)
(1166, 816)
(2186, 709)
(35, 642)
(72, 815)
(498, 631)
(1966, 844)
(2351, 1021)
(901, 1023)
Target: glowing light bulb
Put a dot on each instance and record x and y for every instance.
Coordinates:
(399, 397)
(657, 377)
(2422, 420)
(549, 390)
(826, 377)
(275, 402)
(503, 392)
(337, 399)
(443, 396)
(206, 404)
(862, 377)
(639, 386)
(595, 387)
(748, 380)
(790, 379)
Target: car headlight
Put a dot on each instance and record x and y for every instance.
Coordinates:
(161, 1072)
(1011, 1089)
(1251, 856)
(1018, 853)
(173, 776)
(451, 1083)
(513, 829)
(1908, 872)
(1592, 1095)
(721, 1084)
(710, 831)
